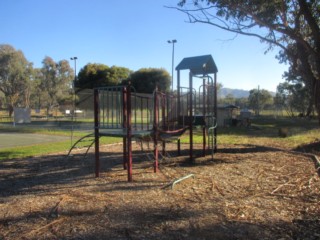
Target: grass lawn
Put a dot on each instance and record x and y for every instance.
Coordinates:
(262, 132)
(43, 148)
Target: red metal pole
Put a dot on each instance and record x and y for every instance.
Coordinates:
(96, 131)
(215, 111)
(164, 119)
(129, 134)
(124, 149)
(204, 105)
(191, 116)
(124, 113)
(178, 108)
(155, 129)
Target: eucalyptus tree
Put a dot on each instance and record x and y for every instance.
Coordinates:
(259, 99)
(55, 79)
(294, 98)
(37, 95)
(302, 91)
(15, 75)
(291, 25)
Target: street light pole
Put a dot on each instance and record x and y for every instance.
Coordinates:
(74, 96)
(75, 69)
(173, 42)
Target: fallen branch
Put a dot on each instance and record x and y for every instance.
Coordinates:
(54, 212)
(313, 156)
(281, 186)
(43, 227)
(217, 188)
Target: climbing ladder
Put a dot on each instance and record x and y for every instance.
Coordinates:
(85, 142)
(212, 139)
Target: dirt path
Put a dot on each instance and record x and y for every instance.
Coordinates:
(246, 192)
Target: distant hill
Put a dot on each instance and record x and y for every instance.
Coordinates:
(236, 93)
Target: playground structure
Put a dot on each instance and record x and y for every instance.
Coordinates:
(201, 67)
(160, 117)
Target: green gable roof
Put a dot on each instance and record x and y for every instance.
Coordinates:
(198, 65)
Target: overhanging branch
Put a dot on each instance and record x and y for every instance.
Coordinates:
(225, 26)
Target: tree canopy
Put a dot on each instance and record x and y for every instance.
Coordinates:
(259, 99)
(99, 75)
(293, 97)
(15, 75)
(291, 25)
(54, 81)
(145, 80)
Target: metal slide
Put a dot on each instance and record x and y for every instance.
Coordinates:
(211, 136)
(84, 142)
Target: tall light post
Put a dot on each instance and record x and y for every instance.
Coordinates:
(75, 69)
(172, 42)
(74, 96)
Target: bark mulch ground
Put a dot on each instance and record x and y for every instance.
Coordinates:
(245, 192)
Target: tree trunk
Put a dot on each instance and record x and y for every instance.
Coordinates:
(309, 109)
(317, 98)
(312, 98)
(10, 110)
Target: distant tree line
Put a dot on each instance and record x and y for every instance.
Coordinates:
(258, 99)
(292, 98)
(25, 86)
(22, 85)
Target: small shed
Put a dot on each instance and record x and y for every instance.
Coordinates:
(227, 115)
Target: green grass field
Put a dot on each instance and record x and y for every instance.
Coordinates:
(263, 132)
(42, 148)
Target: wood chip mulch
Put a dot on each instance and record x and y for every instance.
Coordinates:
(244, 192)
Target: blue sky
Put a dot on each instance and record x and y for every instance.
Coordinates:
(132, 34)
